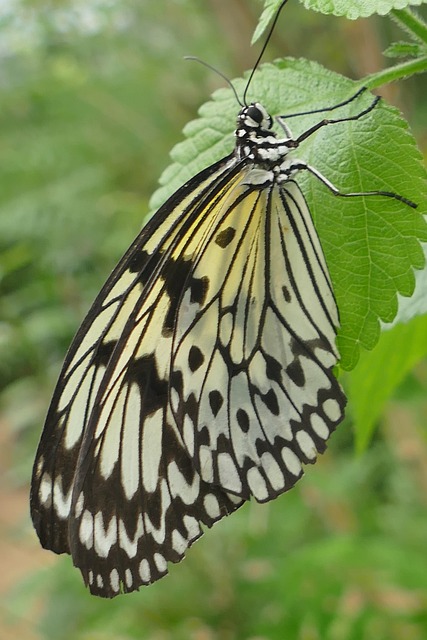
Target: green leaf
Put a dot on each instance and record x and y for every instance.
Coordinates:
(416, 305)
(403, 49)
(371, 244)
(269, 11)
(354, 9)
(413, 24)
(351, 9)
(379, 372)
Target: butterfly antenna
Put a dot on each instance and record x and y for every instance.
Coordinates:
(228, 81)
(267, 40)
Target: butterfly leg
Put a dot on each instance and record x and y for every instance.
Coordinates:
(326, 121)
(299, 165)
(323, 109)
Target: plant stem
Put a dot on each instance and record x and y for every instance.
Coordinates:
(411, 23)
(397, 72)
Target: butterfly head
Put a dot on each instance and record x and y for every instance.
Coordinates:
(254, 117)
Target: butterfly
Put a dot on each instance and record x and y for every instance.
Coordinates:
(202, 375)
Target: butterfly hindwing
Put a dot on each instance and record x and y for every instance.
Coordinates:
(252, 387)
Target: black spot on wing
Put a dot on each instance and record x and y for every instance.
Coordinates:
(286, 294)
(204, 437)
(296, 373)
(224, 238)
(242, 420)
(191, 408)
(270, 400)
(216, 401)
(104, 352)
(176, 381)
(174, 276)
(138, 261)
(195, 358)
(154, 390)
(199, 288)
(144, 263)
(273, 367)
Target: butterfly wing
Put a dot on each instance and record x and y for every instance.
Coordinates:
(253, 391)
(201, 376)
(99, 488)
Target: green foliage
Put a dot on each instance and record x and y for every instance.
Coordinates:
(380, 371)
(353, 10)
(403, 49)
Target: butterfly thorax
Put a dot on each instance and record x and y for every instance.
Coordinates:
(255, 139)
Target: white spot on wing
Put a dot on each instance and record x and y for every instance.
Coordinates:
(130, 546)
(114, 580)
(129, 463)
(160, 562)
(78, 509)
(291, 460)
(81, 403)
(272, 471)
(257, 484)
(86, 530)
(105, 537)
(108, 403)
(40, 467)
(61, 500)
(174, 400)
(179, 486)
(144, 571)
(306, 444)
(128, 578)
(179, 543)
(332, 409)
(206, 463)
(192, 527)
(45, 490)
(111, 443)
(151, 450)
(228, 476)
(211, 506)
(319, 426)
(188, 434)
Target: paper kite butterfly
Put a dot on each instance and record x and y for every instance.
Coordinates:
(202, 374)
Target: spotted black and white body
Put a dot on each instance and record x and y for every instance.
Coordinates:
(201, 376)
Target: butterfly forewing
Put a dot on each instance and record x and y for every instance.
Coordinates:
(85, 367)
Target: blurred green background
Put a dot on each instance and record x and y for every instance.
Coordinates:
(93, 97)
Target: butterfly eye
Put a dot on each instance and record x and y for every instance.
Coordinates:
(255, 113)
(257, 117)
